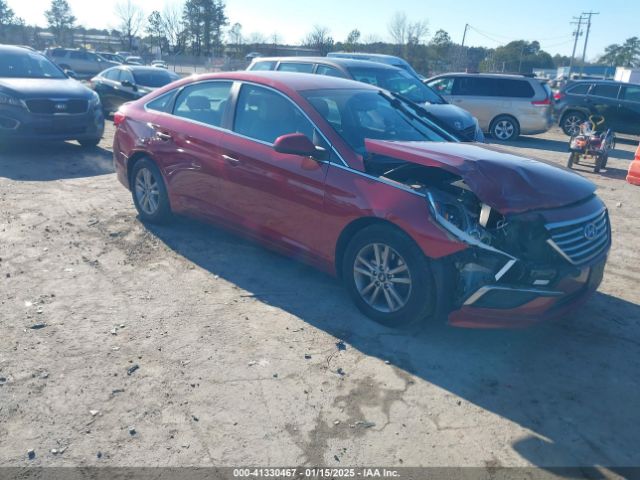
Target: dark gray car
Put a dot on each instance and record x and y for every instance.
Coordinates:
(39, 102)
(456, 120)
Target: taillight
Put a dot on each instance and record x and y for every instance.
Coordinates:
(546, 101)
(118, 118)
(558, 96)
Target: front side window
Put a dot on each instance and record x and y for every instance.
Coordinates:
(356, 115)
(295, 67)
(474, 86)
(203, 102)
(111, 74)
(78, 55)
(443, 86)
(265, 115)
(604, 90)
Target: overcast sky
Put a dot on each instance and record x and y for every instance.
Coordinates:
(494, 22)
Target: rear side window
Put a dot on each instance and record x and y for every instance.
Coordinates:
(257, 66)
(329, 71)
(204, 102)
(475, 86)
(78, 55)
(513, 88)
(632, 94)
(264, 115)
(111, 74)
(580, 89)
(607, 91)
(57, 52)
(295, 67)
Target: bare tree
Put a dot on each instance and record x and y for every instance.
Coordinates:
(319, 39)
(131, 19)
(173, 26)
(397, 27)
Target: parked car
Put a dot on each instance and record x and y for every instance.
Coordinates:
(125, 83)
(380, 58)
(112, 57)
(385, 76)
(160, 64)
(617, 102)
(345, 176)
(133, 60)
(38, 102)
(82, 62)
(505, 105)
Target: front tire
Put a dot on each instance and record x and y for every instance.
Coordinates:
(573, 158)
(89, 142)
(388, 277)
(149, 192)
(504, 128)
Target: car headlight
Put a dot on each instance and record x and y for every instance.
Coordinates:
(95, 100)
(6, 99)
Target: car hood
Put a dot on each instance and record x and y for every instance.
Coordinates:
(45, 87)
(508, 183)
(451, 115)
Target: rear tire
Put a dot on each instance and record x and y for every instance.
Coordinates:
(599, 163)
(388, 277)
(570, 123)
(505, 128)
(149, 192)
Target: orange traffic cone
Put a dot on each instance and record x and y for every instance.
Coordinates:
(633, 176)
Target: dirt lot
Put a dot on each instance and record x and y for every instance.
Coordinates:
(219, 329)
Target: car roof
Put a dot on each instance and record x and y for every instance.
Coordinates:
(513, 76)
(364, 54)
(285, 81)
(337, 62)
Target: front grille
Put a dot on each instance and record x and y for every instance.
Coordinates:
(47, 106)
(468, 134)
(581, 240)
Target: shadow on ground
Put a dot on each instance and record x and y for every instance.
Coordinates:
(53, 161)
(573, 384)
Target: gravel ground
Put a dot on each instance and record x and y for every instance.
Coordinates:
(186, 345)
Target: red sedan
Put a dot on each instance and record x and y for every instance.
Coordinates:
(366, 185)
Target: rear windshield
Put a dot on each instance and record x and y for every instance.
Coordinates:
(152, 79)
(27, 65)
(396, 81)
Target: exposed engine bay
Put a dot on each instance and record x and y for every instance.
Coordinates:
(507, 249)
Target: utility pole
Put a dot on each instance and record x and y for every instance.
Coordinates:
(464, 36)
(575, 42)
(586, 37)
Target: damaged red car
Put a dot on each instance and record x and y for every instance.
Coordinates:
(366, 185)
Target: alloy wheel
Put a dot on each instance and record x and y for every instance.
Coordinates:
(504, 130)
(147, 191)
(572, 124)
(382, 277)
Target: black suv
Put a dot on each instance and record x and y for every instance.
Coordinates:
(617, 102)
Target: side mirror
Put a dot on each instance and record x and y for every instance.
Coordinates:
(297, 144)
(70, 73)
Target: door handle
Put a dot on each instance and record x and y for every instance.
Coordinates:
(163, 136)
(231, 160)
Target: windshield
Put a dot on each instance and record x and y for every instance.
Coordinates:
(359, 114)
(397, 81)
(152, 79)
(27, 65)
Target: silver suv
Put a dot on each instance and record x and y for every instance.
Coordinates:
(505, 105)
(82, 62)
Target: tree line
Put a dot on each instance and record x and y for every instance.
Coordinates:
(202, 28)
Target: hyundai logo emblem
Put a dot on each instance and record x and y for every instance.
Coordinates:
(590, 231)
(60, 106)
